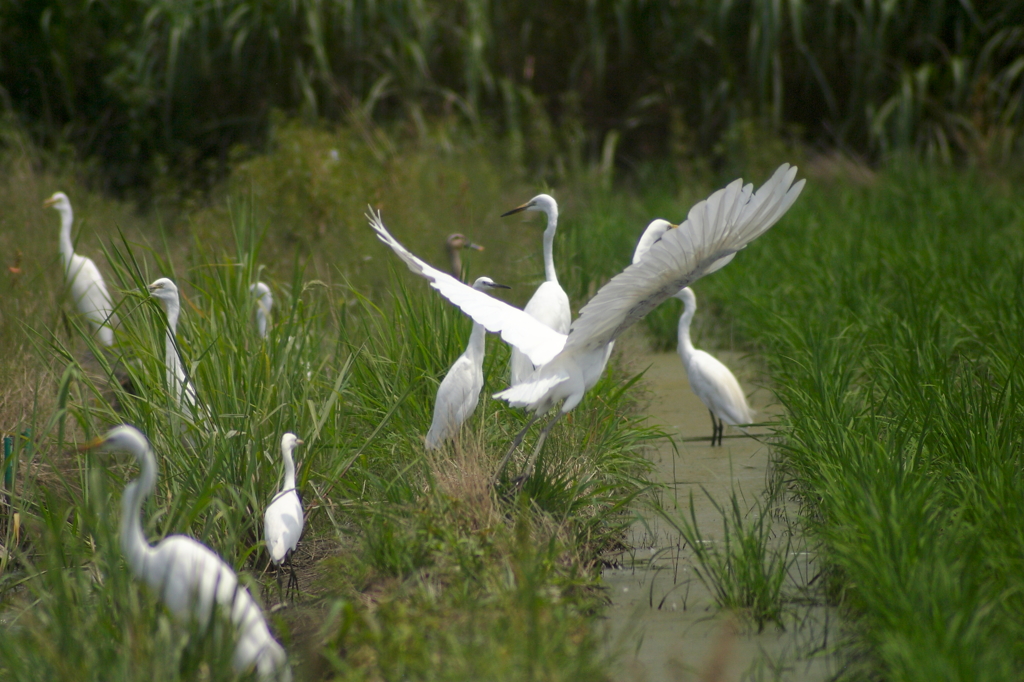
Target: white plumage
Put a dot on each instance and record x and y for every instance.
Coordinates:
(569, 365)
(187, 575)
(88, 290)
(283, 520)
(184, 393)
(459, 392)
(264, 302)
(549, 305)
(710, 380)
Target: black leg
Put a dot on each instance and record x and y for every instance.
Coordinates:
(714, 428)
(512, 448)
(293, 579)
(528, 469)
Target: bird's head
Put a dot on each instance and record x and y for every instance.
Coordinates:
(542, 203)
(289, 442)
(259, 290)
(485, 283)
(164, 290)
(457, 242)
(59, 201)
(688, 298)
(124, 438)
(652, 234)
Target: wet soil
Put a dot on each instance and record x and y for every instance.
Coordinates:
(663, 624)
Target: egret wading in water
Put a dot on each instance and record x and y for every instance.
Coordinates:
(88, 291)
(459, 392)
(454, 245)
(181, 389)
(187, 575)
(549, 305)
(569, 365)
(282, 523)
(264, 302)
(710, 380)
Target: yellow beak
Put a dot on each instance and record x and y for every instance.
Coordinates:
(92, 445)
(49, 202)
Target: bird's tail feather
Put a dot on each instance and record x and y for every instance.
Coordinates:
(528, 392)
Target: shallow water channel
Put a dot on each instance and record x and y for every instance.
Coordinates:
(663, 623)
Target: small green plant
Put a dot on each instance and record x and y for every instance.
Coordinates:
(746, 568)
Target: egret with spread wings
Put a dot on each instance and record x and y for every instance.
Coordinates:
(568, 365)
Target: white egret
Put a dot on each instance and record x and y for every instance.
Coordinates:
(264, 302)
(569, 365)
(181, 388)
(282, 522)
(88, 291)
(459, 392)
(549, 304)
(710, 380)
(188, 576)
(455, 243)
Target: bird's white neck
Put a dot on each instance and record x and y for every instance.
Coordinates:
(133, 541)
(289, 471)
(261, 322)
(175, 373)
(549, 241)
(685, 345)
(477, 339)
(67, 249)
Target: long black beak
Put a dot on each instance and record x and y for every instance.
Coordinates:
(517, 209)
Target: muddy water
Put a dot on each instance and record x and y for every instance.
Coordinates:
(663, 623)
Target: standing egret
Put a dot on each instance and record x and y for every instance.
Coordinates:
(187, 575)
(549, 305)
(710, 380)
(282, 523)
(88, 290)
(264, 302)
(569, 365)
(166, 292)
(455, 244)
(459, 392)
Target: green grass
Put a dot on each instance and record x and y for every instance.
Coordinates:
(167, 94)
(888, 315)
(398, 539)
(890, 319)
(747, 569)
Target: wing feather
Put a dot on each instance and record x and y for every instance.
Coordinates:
(715, 229)
(539, 342)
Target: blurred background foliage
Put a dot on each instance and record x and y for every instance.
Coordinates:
(168, 90)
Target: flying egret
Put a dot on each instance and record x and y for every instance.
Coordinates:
(88, 290)
(264, 302)
(549, 304)
(710, 380)
(459, 392)
(455, 244)
(282, 523)
(187, 575)
(165, 291)
(569, 365)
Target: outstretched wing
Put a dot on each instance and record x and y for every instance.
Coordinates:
(714, 231)
(539, 342)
